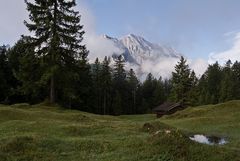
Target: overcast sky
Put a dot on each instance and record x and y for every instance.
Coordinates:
(200, 29)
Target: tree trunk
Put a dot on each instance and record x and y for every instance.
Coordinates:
(52, 81)
(104, 102)
(52, 91)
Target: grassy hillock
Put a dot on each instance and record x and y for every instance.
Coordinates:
(42, 133)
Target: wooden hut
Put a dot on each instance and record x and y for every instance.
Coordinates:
(167, 108)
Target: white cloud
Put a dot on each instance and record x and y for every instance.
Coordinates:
(233, 53)
(12, 15)
(199, 66)
(96, 44)
(165, 66)
(160, 67)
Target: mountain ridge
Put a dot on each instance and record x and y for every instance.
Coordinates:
(139, 48)
(142, 55)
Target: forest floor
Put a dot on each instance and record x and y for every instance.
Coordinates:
(42, 133)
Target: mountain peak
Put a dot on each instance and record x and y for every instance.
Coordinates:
(133, 36)
(139, 48)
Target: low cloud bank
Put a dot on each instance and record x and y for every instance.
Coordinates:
(233, 53)
(165, 66)
(97, 45)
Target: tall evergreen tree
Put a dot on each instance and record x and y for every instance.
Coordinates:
(119, 72)
(148, 88)
(133, 83)
(227, 83)
(4, 73)
(213, 85)
(236, 79)
(57, 39)
(119, 80)
(27, 70)
(181, 82)
(193, 93)
(106, 82)
(97, 85)
(159, 93)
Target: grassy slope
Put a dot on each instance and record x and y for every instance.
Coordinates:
(40, 133)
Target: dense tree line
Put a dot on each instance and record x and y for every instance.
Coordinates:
(52, 66)
(109, 89)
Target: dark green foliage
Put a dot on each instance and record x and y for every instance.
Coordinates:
(227, 84)
(96, 69)
(210, 85)
(133, 84)
(106, 83)
(193, 93)
(27, 69)
(4, 74)
(57, 39)
(236, 79)
(148, 89)
(182, 82)
(159, 93)
(119, 86)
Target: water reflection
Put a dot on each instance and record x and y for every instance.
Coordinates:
(210, 140)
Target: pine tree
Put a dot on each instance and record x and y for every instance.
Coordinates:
(4, 86)
(201, 89)
(119, 80)
(227, 83)
(193, 93)
(117, 104)
(236, 80)
(181, 82)
(148, 88)
(119, 72)
(106, 82)
(26, 71)
(97, 85)
(57, 39)
(213, 85)
(133, 83)
(159, 93)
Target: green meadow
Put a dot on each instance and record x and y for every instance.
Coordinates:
(44, 133)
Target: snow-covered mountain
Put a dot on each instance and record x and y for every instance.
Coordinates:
(140, 54)
(136, 49)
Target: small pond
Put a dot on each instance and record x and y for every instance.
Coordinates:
(210, 140)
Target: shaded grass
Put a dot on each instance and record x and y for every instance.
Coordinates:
(43, 133)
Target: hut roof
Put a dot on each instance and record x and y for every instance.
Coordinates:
(167, 106)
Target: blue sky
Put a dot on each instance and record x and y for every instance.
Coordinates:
(194, 27)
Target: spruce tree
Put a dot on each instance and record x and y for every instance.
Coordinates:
(148, 88)
(57, 38)
(97, 86)
(119, 72)
(119, 80)
(193, 93)
(181, 82)
(159, 93)
(213, 85)
(236, 80)
(106, 82)
(227, 83)
(133, 83)
(4, 86)
(27, 70)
